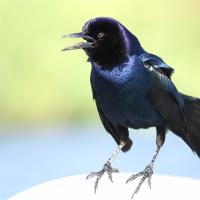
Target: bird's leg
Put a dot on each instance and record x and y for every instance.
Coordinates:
(148, 171)
(106, 168)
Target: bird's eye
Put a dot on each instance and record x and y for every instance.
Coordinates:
(100, 35)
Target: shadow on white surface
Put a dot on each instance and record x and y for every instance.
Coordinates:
(76, 187)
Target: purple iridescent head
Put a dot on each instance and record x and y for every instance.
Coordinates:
(108, 42)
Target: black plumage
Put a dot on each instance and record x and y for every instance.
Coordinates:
(133, 89)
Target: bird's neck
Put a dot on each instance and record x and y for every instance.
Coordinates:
(110, 62)
(134, 46)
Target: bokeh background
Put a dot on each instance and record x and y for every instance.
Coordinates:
(49, 127)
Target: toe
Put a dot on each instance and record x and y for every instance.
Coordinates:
(97, 182)
(114, 170)
(110, 176)
(134, 176)
(91, 175)
(149, 182)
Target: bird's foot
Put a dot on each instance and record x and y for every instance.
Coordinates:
(145, 174)
(106, 168)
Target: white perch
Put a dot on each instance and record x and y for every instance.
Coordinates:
(77, 188)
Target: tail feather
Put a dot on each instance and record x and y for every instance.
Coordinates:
(192, 111)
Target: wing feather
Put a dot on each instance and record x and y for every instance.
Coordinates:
(163, 94)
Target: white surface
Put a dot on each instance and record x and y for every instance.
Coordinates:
(77, 187)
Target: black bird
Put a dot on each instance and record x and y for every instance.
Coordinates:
(133, 89)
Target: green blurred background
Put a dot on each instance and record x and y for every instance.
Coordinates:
(46, 105)
(39, 83)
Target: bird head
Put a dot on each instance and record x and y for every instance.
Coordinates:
(108, 42)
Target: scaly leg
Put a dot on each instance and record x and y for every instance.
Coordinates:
(106, 168)
(148, 171)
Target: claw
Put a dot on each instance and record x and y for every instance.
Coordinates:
(110, 170)
(106, 168)
(110, 176)
(149, 182)
(97, 182)
(134, 176)
(92, 174)
(146, 174)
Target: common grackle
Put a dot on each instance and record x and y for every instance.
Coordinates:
(133, 89)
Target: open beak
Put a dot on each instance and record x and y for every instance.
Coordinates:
(81, 45)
